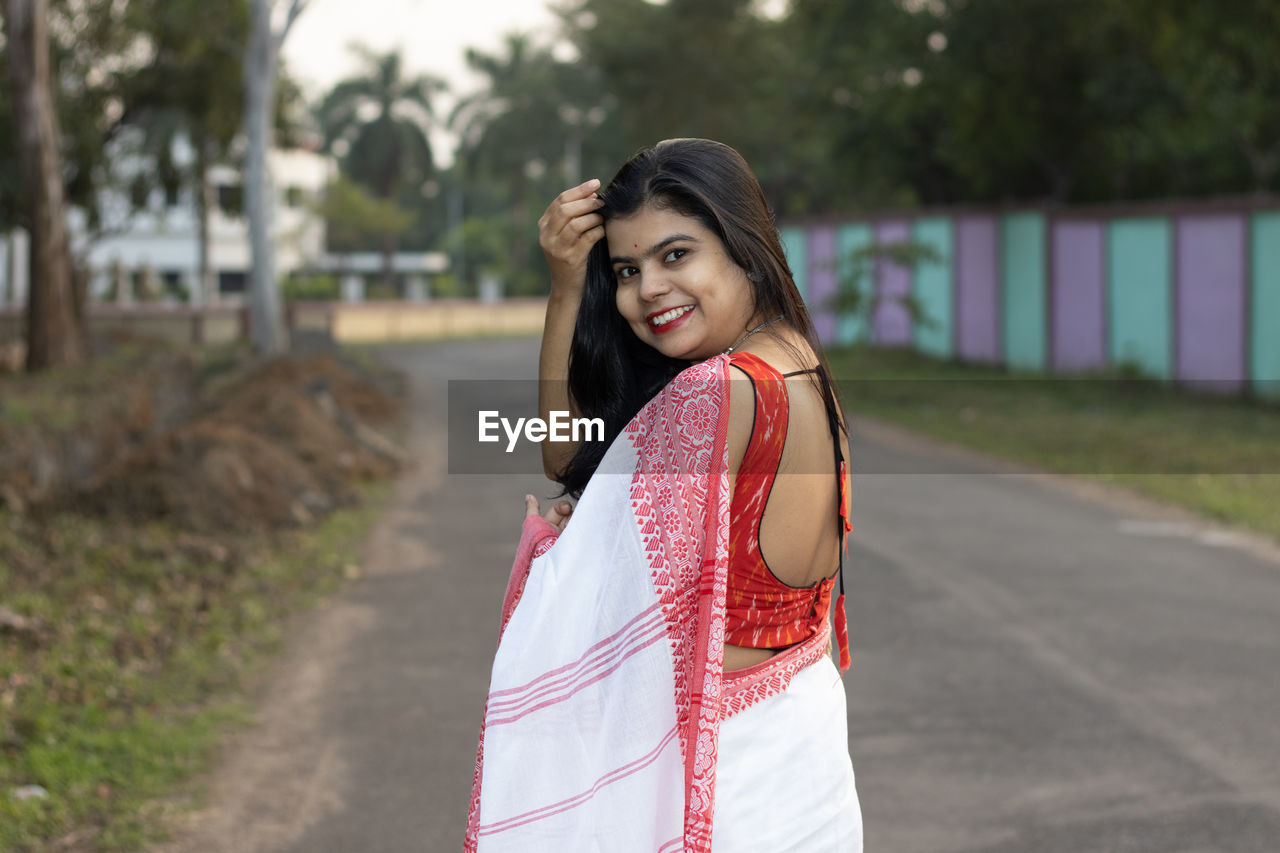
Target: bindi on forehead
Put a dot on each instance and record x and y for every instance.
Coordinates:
(653, 250)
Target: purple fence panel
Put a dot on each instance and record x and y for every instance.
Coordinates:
(1078, 296)
(822, 281)
(977, 289)
(893, 282)
(1210, 300)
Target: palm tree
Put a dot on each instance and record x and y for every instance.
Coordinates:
(530, 116)
(377, 124)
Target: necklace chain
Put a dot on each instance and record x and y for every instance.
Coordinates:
(750, 333)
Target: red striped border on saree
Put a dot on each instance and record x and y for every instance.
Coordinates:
(572, 802)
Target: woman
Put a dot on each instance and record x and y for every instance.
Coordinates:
(662, 680)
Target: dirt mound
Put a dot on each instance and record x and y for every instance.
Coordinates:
(59, 428)
(358, 394)
(214, 446)
(209, 476)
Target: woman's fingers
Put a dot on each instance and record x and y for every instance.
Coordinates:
(582, 206)
(567, 230)
(586, 222)
(557, 515)
(582, 190)
(563, 224)
(573, 202)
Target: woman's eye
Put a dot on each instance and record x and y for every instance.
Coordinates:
(675, 254)
(626, 272)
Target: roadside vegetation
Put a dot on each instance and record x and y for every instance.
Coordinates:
(1216, 455)
(165, 513)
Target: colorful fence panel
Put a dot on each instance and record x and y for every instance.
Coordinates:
(1141, 295)
(977, 289)
(893, 283)
(1078, 302)
(1187, 293)
(796, 247)
(821, 253)
(933, 288)
(1022, 290)
(850, 240)
(1264, 333)
(1209, 309)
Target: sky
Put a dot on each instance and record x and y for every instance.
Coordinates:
(432, 35)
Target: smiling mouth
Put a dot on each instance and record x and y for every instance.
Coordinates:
(667, 316)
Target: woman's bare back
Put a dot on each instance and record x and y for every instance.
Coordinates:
(799, 534)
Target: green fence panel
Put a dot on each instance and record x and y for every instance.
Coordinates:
(851, 239)
(795, 245)
(1264, 333)
(1024, 296)
(933, 286)
(1139, 295)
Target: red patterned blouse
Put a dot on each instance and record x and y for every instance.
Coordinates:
(763, 612)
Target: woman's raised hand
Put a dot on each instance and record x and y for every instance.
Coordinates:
(567, 231)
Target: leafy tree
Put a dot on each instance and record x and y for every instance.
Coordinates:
(390, 150)
(54, 330)
(85, 43)
(187, 95)
(1223, 79)
(863, 128)
(353, 216)
(538, 125)
(709, 68)
(944, 101)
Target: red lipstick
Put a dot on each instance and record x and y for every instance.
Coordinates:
(670, 324)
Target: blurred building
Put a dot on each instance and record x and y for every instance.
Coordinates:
(159, 245)
(149, 248)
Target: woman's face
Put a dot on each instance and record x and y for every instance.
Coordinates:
(678, 288)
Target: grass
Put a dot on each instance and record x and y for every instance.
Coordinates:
(145, 643)
(1217, 455)
(128, 649)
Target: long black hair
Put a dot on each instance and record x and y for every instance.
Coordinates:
(612, 374)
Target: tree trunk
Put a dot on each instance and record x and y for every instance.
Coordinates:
(386, 190)
(519, 252)
(261, 64)
(260, 85)
(389, 243)
(54, 333)
(206, 288)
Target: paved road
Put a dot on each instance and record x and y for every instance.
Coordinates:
(1035, 671)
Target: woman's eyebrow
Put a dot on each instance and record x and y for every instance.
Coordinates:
(653, 250)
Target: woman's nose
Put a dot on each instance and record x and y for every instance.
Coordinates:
(653, 286)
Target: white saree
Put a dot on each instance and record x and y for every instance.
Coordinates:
(610, 725)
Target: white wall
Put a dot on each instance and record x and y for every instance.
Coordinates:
(14, 271)
(166, 238)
